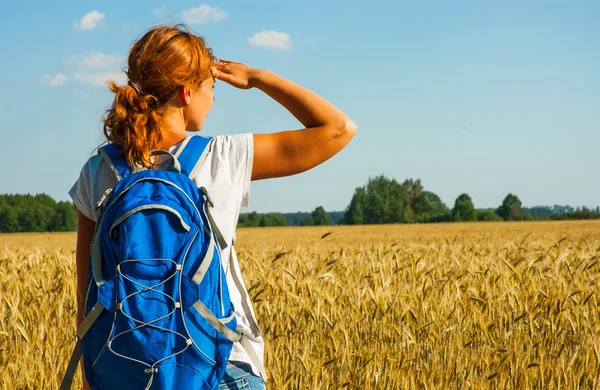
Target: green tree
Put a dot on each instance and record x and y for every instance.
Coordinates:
(463, 209)
(9, 219)
(272, 219)
(64, 219)
(242, 220)
(45, 200)
(429, 207)
(354, 213)
(29, 221)
(306, 222)
(411, 190)
(384, 201)
(510, 210)
(488, 215)
(319, 217)
(249, 219)
(254, 219)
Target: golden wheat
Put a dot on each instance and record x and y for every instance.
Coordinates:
(483, 305)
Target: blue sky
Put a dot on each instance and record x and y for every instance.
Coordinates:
(484, 97)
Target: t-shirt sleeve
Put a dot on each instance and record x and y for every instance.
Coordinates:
(80, 192)
(238, 152)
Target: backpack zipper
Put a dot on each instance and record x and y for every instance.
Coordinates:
(123, 217)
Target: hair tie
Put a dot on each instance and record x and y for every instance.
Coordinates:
(136, 87)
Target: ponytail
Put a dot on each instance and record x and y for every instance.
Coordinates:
(133, 123)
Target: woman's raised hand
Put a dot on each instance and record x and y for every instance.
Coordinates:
(234, 73)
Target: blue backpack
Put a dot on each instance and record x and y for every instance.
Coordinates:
(157, 308)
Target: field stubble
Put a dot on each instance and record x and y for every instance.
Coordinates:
(484, 305)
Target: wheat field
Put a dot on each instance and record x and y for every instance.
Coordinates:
(448, 306)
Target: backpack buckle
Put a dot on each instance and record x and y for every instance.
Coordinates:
(204, 192)
(103, 198)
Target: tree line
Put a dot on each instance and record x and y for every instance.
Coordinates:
(318, 217)
(384, 200)
(36, 213)
(381, 200)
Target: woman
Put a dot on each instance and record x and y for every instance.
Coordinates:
(171, 75)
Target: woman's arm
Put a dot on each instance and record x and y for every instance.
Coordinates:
(85, 234)
(328, 130)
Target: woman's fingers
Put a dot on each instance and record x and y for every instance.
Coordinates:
(220, 75)
(216, 74)
(221, 66)
(223, 76)
(219, 70)
(234, 73)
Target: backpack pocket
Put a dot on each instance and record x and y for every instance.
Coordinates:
(148, 231)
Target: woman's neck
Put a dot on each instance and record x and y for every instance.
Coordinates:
(172, 129)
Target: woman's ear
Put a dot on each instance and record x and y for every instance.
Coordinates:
(186, 94)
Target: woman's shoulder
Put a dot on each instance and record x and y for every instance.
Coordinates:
(96, 170)
(229, 144)
(96, 175)
(94, 178)
(93, 164)
(227, 164)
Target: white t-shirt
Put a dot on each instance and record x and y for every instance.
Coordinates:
(226, 174)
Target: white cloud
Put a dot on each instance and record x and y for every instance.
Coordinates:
(99, 79)
(89, 21)
(271, 39)
(203, 14)
(96, 59)
(91, 69)
(160, 12)
(95, 68)
(57, 80)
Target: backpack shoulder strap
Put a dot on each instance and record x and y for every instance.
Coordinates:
(192, 153)
(111, 154)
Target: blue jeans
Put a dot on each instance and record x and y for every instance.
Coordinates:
(239, 376)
